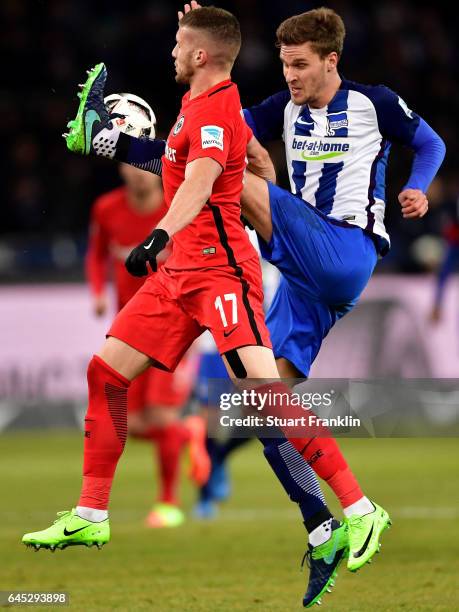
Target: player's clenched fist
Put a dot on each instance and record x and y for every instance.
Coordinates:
(414, 203)
(136, 263)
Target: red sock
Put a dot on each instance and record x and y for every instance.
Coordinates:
(320, 450)
(170, 444)
(105, 432)
(327, 461)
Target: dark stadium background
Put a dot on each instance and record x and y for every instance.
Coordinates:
(46, 46)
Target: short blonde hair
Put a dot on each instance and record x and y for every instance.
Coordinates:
(221, 25)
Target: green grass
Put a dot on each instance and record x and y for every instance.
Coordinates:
(249, 558)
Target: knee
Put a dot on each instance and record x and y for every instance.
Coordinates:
(93, 368)
(100, 371)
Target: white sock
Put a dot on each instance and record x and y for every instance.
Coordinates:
(104, 143)
(321, 534)
(91, 514)
(360, 507)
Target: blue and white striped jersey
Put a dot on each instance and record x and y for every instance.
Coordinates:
(337, 155)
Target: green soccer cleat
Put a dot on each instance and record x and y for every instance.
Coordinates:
(364, 534)
(69, 530)
(92, 115)
(323, 562)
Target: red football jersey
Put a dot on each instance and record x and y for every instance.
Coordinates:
(210, 125)
(116, 228)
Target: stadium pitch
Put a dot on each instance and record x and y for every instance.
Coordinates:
(248, 559)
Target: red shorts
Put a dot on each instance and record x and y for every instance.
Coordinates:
(156, 388)
(174, 307)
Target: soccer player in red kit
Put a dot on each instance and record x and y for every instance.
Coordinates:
(212, 280)
(119, 220)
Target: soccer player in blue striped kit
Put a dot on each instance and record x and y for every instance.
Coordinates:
(325, 236)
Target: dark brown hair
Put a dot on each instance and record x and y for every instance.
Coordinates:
(221, 25)
(321, 27)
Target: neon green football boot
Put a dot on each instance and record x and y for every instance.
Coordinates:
(69, 530)
(92, 115)
(364, 534)
(323, 562)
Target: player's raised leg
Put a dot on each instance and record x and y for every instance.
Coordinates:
(255, 205)
(92, 115)
(93, 131)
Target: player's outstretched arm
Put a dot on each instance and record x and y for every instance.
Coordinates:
(93, 132)
(191, 196)
(429, 151)
(397, 123)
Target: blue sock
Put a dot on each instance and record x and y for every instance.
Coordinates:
(143, 153)
(298, 479)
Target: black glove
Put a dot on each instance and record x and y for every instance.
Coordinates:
(136, 263)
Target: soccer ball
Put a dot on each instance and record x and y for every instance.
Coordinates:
(136, 116)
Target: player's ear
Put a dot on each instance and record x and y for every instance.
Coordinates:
(332, 61)
(200, 57)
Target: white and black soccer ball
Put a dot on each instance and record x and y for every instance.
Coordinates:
(137, 117)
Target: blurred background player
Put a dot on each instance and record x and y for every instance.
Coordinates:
(217, 488)
(119, 220)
